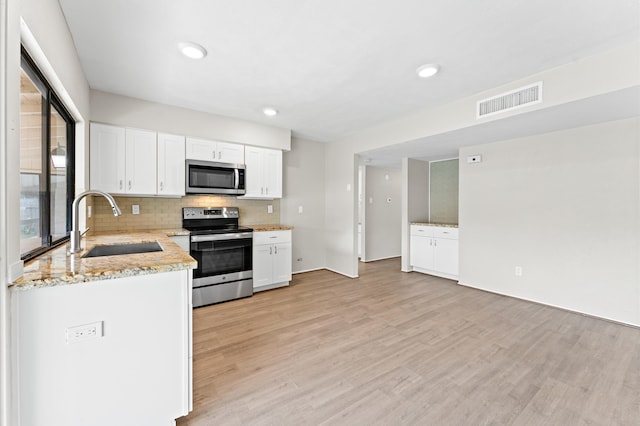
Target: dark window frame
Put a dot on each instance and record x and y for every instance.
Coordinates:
(50, 101)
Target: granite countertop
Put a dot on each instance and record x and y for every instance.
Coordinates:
(57, 268)
(270, 227)
(445, 225)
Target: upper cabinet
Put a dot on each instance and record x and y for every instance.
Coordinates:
(221, 152)
(171, 172)
(263, 172)
(136, 162)
(107, 153)
(120, 160)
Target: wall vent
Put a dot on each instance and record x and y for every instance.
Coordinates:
(524, 96)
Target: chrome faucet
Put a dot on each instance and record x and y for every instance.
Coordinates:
(75, 232)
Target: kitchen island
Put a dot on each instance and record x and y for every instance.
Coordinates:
(104, 340)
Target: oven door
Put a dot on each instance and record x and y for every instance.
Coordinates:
(222, 258)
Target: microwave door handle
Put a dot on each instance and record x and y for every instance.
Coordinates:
(236, 175)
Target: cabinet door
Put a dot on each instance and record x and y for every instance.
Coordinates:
(282, 262)
(230, 153)
(140, 167)
(171, 172)
(262, 265)
(107, 153)
(201, 149)
(421, 252)
(273, 173)
(254, 181)
(446, 256)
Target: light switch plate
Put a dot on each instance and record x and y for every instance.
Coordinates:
(270, 208)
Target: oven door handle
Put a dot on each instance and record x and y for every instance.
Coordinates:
(220, 237)
(206, 250)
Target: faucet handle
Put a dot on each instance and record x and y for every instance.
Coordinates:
(84, 232)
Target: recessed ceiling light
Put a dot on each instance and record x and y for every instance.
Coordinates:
(192, 50)
(269, 111)
(428, 70)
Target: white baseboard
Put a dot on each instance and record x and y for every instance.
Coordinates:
(307, 270)
(381, 258)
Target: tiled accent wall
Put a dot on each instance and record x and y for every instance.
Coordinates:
(167, 212)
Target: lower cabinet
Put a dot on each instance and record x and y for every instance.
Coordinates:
(271, 259)
(104, 353)
(434, 250)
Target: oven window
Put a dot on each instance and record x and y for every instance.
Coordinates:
(211, 177)
(221, 257)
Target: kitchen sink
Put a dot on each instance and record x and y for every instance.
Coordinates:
(119, 249)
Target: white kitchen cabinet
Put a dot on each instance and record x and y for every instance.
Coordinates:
(120, 160)
(208, 150)
(140, 164)
(107, 153)
(136, 162)
(271, 259)
(171, 173)
(263, 173)
(434, 250)
(136, 367)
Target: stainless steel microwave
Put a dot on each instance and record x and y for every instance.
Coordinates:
(207, 177)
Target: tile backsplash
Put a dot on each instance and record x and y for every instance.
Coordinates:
(158, 213)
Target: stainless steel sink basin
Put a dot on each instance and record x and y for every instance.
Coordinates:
(119, 249)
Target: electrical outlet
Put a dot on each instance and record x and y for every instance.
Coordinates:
(518, 271)
(299, 209)
(270, 208)
(88, 211)
(135, 209)
(82, 333)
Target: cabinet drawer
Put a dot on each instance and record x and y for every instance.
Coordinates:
(422, 230)
(271, 237)
(445, 232)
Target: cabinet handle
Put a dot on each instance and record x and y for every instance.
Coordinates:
(219, 155)
(213, 153)
(276, 249)
(161, 186)
(267, 190)
(270, 250)
(262, 191)
(129, 184)
(120, 184)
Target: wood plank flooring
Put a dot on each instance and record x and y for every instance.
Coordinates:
(393, 348)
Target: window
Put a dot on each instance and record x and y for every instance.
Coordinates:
(46, 164)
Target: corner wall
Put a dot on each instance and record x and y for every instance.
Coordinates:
(303, 186)
(565, 207)
(415, 201)
(383, 213)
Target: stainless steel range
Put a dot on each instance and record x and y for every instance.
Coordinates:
(224, 253)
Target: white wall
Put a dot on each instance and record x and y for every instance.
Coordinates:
(415, 201)
(303, 186)
(9, 218)
(57, 57)
(382, 213)
(581, 79)
(125, 111)
(564, 206)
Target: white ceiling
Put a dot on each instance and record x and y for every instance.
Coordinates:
(332, 67)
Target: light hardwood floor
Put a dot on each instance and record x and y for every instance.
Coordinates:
(393, 348)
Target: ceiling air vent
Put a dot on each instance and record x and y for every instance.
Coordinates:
(528, 95)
